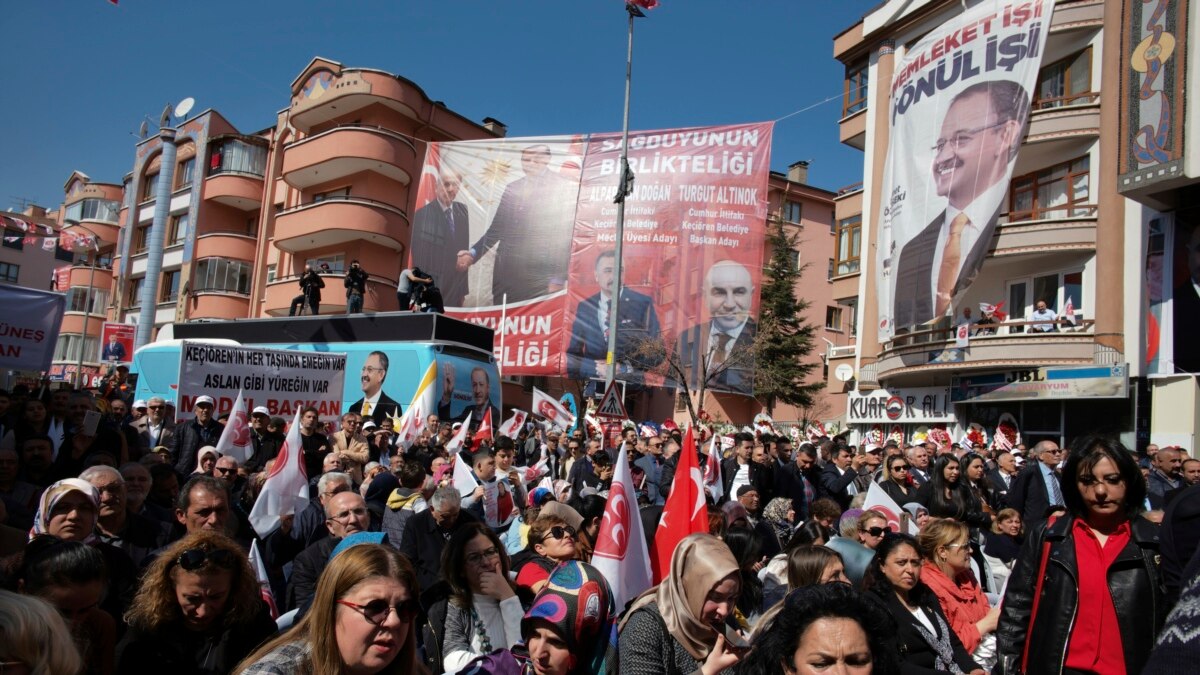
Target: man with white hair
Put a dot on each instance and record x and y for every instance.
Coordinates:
(426, 533)
(154, 428)
(137, 489)
(345, 514)
(718, 349)
(298, 532)
(136, 535)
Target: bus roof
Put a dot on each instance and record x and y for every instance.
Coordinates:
(382, 327)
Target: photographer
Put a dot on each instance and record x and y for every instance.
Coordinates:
(356, 287)
(310, 291)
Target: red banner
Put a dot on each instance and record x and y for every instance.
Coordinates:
(117, 342)
(518, 234)
(62, 278)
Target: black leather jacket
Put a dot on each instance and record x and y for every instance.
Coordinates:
(1134, 581)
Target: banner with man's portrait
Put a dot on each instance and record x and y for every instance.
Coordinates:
(519, 234)
(959, 108)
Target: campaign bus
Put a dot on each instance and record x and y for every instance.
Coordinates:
(386, 356)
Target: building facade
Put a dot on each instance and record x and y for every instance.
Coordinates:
(1066, 236)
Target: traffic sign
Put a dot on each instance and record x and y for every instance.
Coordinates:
(611, 406)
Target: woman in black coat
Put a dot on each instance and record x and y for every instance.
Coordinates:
(1086, 593)
(896, 483)
(927, 644)
(946, 495)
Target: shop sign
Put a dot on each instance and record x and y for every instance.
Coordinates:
(924, 405)
(1043, 384)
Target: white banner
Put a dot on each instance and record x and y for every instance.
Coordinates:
(960, 101)
(29, 328)
(284, 381)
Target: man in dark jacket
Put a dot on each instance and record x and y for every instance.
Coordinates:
(356, 288)
(426, 534)
(837, 478)
(345, 514)
(741, 470)
(1038, 486)
(194, 434)
(265, 443)
(795, 480)
(310, 291)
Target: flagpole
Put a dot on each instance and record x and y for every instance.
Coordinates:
(623, 189)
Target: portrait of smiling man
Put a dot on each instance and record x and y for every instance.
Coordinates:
(714, 347)
(978, 140)
(375, 403)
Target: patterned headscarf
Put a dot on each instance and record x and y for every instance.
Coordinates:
(776, 513)
(578, 604)
(51, 497)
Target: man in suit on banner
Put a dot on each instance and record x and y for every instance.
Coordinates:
(375, 404)
(719, 349)
(636, 321)
(980, 136)
(441, 228)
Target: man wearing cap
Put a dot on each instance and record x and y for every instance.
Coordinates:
(137, 411)
(194, 434)
(265, 443)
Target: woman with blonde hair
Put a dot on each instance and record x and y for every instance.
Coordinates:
(199, 610)
(679, 626)
(360, 621)
(33, 636)
(946, 549)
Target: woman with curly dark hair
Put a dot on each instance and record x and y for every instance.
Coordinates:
(199, 610)
(824, 628)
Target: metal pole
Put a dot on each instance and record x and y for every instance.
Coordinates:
(616, 286)
(87, 313)
(158, 232)
(503, 317)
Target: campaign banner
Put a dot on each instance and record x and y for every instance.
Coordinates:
(519, 235)
(29, 329)
(284, 381)
(117, 342)
(960, 101)
(62, 278)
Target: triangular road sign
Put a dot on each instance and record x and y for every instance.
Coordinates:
(611, 406)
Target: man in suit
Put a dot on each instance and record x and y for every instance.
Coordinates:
(837, 478)
(1002, 477)
(375, 404)
(531, 231)
(114, 350)
(441, 228)
(719, 350)
(979, 139)
(1186, 307)
(1038, 487)
(154, 429)
(446, 402)
(636, 321)
(481, 400)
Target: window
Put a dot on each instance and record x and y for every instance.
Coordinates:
(270, 273)
(149, 187)
(1065, 82)
(141, 238)
(794, 259)
(833, 318)
(179, 229)
(186, 168)
(829, 274)
(64, 255)
(106, 210)
(81, 300)
(134, 298)
(832, 221)
(170, 287)
(791, 211)
(337, 263)
(1055, 288)
(681, 401)
(221, 275)
(331, 194)
(14, 240)
(848, 245)
(68, 345)
(850, 305)
(1059, 191)
(855, 95)
(9, 272)
(237, 157)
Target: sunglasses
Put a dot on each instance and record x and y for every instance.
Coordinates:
(900, 467)
(196, 558)
(376, 611)
(156, 407)
(559, 532)
(876, 531)
(224, 470)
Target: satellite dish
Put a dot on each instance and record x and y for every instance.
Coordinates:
(184, 107)
(143, 130)
(844, 372)
(165, 119)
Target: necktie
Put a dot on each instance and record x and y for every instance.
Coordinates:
(951, 257)
(1055, 491)
(604, 316)
(718, 356)
(450, 219)
(366, 409)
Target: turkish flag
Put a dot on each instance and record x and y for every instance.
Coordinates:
(484, 432)
(620, 554)
(685, 511)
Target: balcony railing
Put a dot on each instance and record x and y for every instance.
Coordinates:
(933, 336)
(356, 125)
(1085, 98)
(1052, 213)
(344, 198)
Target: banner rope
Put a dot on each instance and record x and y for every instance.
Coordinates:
(810, 107)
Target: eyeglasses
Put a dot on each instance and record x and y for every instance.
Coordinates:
(876, 531)
(559, 532)
(156, 407)
(964, 137)
(481, 556)
(372, 369)
(345, 515)
(376, 611)
(196, 558)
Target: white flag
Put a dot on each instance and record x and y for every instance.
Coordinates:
(456, 442)
(962, 336)
(546, 406)
(464, 480)
(1069, 311)
(235, 438)
(286, 489)
(714, 483)
(512, 425)
(264, 582)
(621, 554)
(878, 500)
(422, 404)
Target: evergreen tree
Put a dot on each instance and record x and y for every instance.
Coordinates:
(784, 339)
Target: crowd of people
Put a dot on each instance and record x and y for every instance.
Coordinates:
(127, 547)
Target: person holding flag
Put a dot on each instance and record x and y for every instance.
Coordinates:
(685, 511)
(285, 491)
(621, 554)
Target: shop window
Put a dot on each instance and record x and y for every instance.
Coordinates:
(848, 245)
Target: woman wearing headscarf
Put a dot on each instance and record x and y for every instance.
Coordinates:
(68, 510)
(778, 514)
(678, 626)
(206, 459)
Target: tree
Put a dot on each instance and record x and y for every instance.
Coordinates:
(784, 339)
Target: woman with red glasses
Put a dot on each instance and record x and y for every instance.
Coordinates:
(361, 621)
(199, 610)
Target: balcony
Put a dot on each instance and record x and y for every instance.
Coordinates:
(215, 244)
(1070, 15)
(1065, 229)
(852, 129)
(340, 219)
(106, 231)
(926, 352)
(217, 304)
(345, 150)
(1064, 118)
(326, 96)
(381, 295)
(243, 191)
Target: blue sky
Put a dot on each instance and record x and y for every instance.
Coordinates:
(88, 71)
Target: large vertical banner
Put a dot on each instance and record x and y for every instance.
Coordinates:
(960, 102)
(519, 234)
